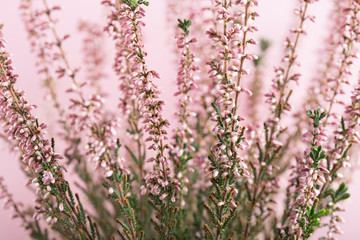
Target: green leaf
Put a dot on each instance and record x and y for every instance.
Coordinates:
(321, 213)
(185, 25)
(216, 107)
(309, 114)
(341, 190)
(322, 155)
(131, 3)
(211, 213)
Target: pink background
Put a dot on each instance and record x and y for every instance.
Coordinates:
(275, 19)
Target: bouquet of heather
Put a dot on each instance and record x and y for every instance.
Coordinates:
(237, 161)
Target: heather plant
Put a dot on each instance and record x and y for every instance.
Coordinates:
(235, 162)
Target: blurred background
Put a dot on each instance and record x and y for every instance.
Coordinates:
(276, 17)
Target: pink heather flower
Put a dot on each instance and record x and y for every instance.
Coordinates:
(162, 197)
(48, 178)
(203, 95)
(268, 140)
(61, 207)
(279, 94)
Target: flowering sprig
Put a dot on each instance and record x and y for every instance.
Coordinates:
(32, 216)
(200, 111)
(66, 69)
(319, 90)
(129, 106)
(38, 152)
(350, 35)
(279, 95)
(346, 129)
(308, 176)
(342, 45)
(202, 19)
(162, 189)
(183, 151)
(328, 62)
(229, 67)
(339, 158)
(37, 27)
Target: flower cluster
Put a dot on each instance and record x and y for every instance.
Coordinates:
(37, 151)
(309, 173)
(183, 148)
(227, 70)
(162, 189)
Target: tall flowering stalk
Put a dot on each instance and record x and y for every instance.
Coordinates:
(319, 88)
(124, 67)
(346, 136)
(102, 144)
(345, 131)
(329, 88)
(309, 173)
(32, 216)
(202, 18)
(330, 54)
(38, 34)
(161, 188)
(227, 165)
(38, 153)
(183, 151)
(346, 128)
(350, 35)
